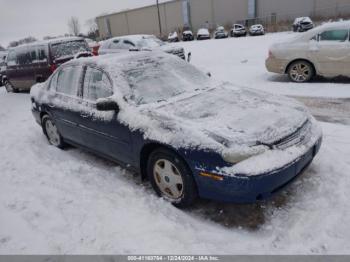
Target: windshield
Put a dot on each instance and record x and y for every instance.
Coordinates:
(160, 78)
(67, 49)
(149, 42)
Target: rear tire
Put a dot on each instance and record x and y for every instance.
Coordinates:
(51, 132)
(171, 178)
(301, 71)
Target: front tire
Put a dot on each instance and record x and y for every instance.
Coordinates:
(51, 132)
(171, 178)
(301, 71)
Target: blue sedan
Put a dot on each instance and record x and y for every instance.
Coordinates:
(189, 134)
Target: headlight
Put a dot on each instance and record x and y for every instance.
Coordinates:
(235, 156)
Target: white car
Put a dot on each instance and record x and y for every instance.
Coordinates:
(238, 30)
(203, 34)
(138, 43)
(220, 32)
(173, 37)
(302, 24)
(257, 30)
(323, 51)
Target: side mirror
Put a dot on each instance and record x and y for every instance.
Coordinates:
(107, 104)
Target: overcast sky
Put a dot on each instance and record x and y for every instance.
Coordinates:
(39, 18)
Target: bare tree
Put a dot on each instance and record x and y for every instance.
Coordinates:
(93, 32)
(74, 26)
(29, 39)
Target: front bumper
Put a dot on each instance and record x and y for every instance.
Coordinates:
(203, 37)
(217, 36)
(249, 189)
(256, 32)
(238, 33)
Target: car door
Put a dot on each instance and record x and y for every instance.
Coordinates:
(64, 103)
(332, 52)
(105, 133)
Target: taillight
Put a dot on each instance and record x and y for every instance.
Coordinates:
(53, 68)
(270, 54)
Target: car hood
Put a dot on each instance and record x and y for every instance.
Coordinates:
(233, 116)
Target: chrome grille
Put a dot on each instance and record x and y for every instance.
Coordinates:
(299, 137)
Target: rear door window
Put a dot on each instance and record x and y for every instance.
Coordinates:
(96, 85)
(69, 80)
(335, 35)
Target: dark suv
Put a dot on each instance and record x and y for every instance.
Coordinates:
(34, 63)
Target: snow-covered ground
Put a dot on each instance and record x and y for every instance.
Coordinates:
(71, 202)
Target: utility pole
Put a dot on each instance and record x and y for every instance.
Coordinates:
(159, 20)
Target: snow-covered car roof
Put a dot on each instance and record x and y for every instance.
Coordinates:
(51, 41)
(172, 35)
(220, 28)
(203, 31)
(256, 26)
(139, 40)
(302, 19)
(187, 32)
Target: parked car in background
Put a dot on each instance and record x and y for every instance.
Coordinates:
(34, 63)
(203, 34)
(173, 37)
(138, 43)
(238, 30)
(94, 46)
(302, 24)
(220, 32)
(187, 35)
(324, 51)
(3, 55)
(221, 151)
(256, 30)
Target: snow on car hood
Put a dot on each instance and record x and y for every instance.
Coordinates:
(234, 116)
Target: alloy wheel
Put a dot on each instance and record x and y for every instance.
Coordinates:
(300, 72)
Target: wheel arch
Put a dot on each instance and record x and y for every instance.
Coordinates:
(300, 59)
(147, 150)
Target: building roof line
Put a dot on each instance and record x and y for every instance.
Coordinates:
(134, 9)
